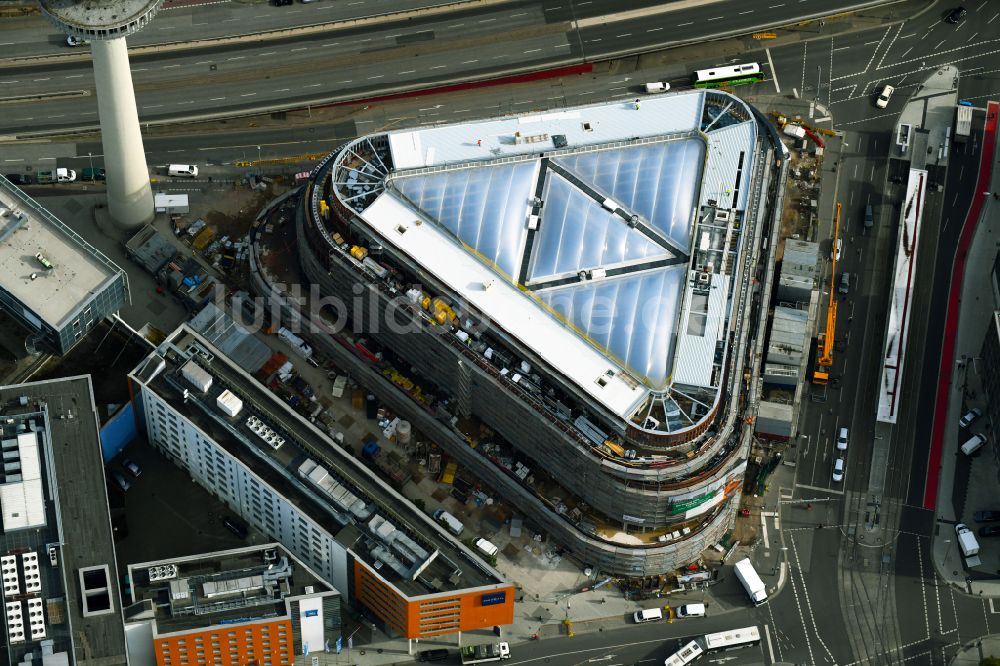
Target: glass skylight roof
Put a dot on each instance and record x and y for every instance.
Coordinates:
(631, 318)
(658, 181)
(577, 233)
(486, 208)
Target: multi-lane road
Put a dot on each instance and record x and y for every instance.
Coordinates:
(282, 64)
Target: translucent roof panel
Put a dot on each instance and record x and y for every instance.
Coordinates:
(576, 233)
(658, 181)
(631, 318)
(486, 208)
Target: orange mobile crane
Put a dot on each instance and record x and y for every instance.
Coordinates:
(824, 348)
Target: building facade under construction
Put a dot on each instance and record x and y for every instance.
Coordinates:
(577, 282)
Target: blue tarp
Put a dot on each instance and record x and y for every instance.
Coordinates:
(118, 432)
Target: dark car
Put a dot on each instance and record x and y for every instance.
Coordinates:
(433, 655)
(989, 530)
(986, 516)
(20, 179)
(956, 15)
(281, 3)
(237, 527)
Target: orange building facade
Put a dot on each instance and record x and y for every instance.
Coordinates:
(432, 614)
(264, 643)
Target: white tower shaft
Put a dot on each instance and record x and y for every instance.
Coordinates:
(130, 198)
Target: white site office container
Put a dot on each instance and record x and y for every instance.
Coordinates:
(229, 403)
(194, 373)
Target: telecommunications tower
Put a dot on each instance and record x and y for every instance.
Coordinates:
(106, 24)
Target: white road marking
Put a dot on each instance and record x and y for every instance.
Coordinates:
(841, 48)
(681, 25)
(774, 75)
(313, 85)
(377, 76)
(301, 48)
(282, 90)
(77, 76)
(409, 71)
(971, 38)
(532, 50)
(468, 62)
(170, 66)
(939, 45)
(248, 94)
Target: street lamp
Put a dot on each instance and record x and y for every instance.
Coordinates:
(260, 167)
(90, 156)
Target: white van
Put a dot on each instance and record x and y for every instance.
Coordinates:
(691, 610)
(648, 615)
(486, 547)
(453, 524)
(657, 87)
(182, 170)
(973, 445)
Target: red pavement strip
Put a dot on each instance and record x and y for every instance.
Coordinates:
(957, 273)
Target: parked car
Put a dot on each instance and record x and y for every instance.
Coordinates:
(838, 470)
(884, 96)
(970, 417)
(132, 467)
(845, 283)
(842, 440)
(19, 179)
(121, 480)
(986, 516)
(869, 217)
(691, 610)
(95, 173)
(837, 248)
(425, 655)
(72, 40)
(956, 15)
(281, 3)
(989, 531)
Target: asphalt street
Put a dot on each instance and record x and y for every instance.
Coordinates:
(489, 40)
(893, 606)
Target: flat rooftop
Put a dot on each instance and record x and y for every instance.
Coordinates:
(576, 232)
(338, 492)
(78, 270)
(199, 591)
(61, 414)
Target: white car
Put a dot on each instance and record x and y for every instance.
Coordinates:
(883, 98)
(970, 417)
(837, 247)
(73, 40)
(842, 440)
(838, 470)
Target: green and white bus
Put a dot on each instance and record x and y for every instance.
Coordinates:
(733, 75)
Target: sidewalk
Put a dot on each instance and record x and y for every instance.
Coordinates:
(963, 483)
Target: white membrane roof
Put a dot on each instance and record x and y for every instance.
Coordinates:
(519, 315)
(582, 221)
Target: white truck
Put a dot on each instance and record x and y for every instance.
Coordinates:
(751, 581)
(968, 544)
(295, 342)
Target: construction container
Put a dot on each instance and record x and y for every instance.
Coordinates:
(229, 403)
(358, 399)
(194, 373)
(201, 241)
(359, 252)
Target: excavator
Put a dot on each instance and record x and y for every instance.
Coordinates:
(824, 347)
